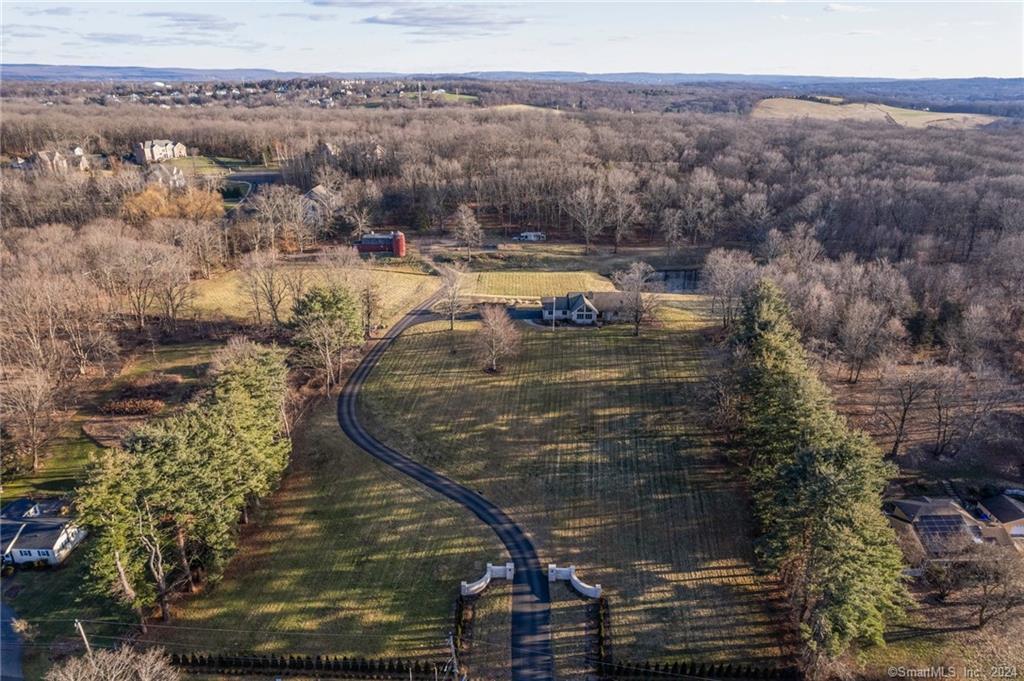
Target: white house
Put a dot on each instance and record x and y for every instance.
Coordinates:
(154, 151)
(32, 531)
(585, 308)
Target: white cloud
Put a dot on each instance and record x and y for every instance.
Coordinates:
(864, 33)
(849, 9)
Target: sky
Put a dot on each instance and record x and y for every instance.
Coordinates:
(872, 39)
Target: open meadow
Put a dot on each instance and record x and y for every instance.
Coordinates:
(596, 443)
(348, 558)
(786, 108)
(222, 296)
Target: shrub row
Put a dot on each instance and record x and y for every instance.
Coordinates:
(325, 666)
(646, 670)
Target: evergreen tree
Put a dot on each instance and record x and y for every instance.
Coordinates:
(816, 488)
(171, 499)
(327, 327)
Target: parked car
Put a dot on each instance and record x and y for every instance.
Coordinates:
(530, 236)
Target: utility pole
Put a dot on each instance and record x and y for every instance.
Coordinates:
(419, 91)
(85, 639)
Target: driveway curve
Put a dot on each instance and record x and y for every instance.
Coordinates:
(531, 652)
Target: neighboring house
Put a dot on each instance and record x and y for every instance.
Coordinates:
(155, 151)
(320, 201)
(1008, 513)
(51, 162)
(166, 176)
(320, 194)
(32, 531)
(585, 308)
(933, 528)
(61, 162)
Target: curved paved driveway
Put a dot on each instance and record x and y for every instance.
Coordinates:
(531, 602)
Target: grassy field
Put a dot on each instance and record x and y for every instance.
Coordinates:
(222, 297)
(447, 97)
(536, 284)
(529, 260)
(784, 108)
(350, 558)
(212, 165)
(595, 442)
(51, 600)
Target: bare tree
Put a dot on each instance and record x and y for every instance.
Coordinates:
(623, 207)
(639, 285)
(371, 299)
(997, 574)
(452, 287)
(340, 265)
(28, 405)
(701, 204)
(673, 224)
(961, 403)
(281, 210)
(174, 290)
(122, 664)
(466, 229)
(866, 331)
(139, 268)
(900, 391)
(588, 206)
(498, 336)
(263, 281)
(727, 275)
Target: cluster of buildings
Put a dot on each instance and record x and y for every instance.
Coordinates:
(938, 528)
(62, 161)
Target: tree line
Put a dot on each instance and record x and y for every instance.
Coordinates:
(816, 487)
(164, 508)
(940, 347)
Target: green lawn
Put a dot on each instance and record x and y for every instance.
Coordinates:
(536, 284)
(213, 165)
(51, 599)
(350, 558)
(596, 443)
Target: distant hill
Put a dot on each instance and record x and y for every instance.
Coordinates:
(787, 108)
(993, 96)
(71, 72)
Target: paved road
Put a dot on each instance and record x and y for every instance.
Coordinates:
(10, 646)
(531, 603)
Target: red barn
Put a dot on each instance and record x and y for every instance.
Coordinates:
(392, 243)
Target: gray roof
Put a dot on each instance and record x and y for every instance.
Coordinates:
(35, 524)
(601, 301)
(914, 507)
(1004, 508)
